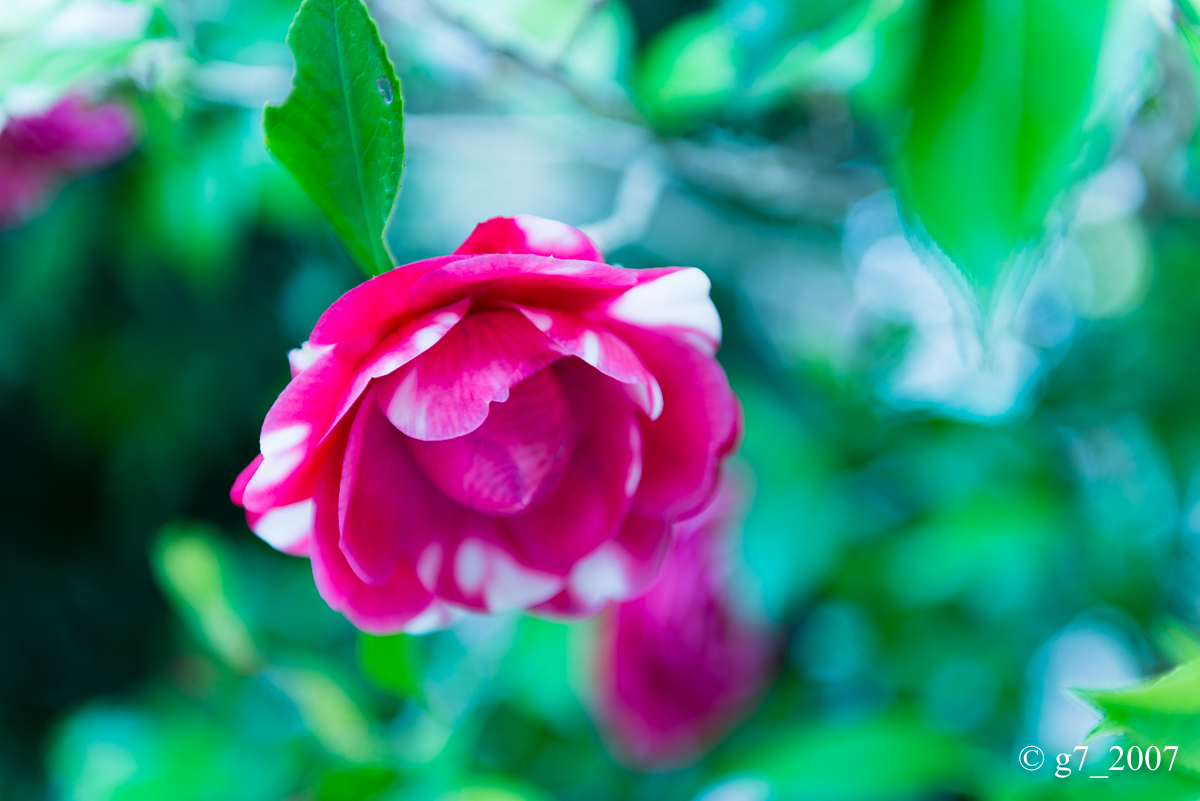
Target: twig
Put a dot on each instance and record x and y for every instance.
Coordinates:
(613, 108)
(637, 199)
(584, 21)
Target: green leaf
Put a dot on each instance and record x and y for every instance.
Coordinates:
(833, 48)
(1000, 98)
(496, 790)
(177, 749)
(357, 783)
(690, 71)
(328, 712)
(341, 130)
(1162, 712)
(390, 663)
(907, 761)
(192, 571)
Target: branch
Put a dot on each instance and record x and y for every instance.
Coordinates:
(615, 107)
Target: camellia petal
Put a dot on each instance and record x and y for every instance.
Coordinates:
(38, 151)
(592, 500)
(399, 348)
(677, 666)
(602, 349)
(460, 554)
(377, 477)
(676, 300)
(305, 356)
(446, 392)
(620, 568)
(513, 459)
(528, 234)
(375, 305)
(569, 284)
(293, 430)
(331, 381)
(74, 134)
(698, 427)
(382, 608)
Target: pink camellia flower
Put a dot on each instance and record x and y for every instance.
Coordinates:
(37, 152)
(516, 425)
(676, 667)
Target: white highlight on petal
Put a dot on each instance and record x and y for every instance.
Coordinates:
(469, 565)
(541, 320)
(418, 342)
(428, 336)
(600, 576)
(564, 267)
(282, 450)
(543, 234)
(678, 299)
(591, 348)
(277, 442)
(634, 476)
(504, 583)
(438, 615)
(649, 397)
(285, 527)
(305, 356)
(429, 565)
(511, 585)
(407, 410)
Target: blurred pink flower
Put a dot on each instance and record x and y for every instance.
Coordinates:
(516, 425)
(677, 667)
(38, 152)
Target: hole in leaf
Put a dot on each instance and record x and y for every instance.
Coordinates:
(385, 89)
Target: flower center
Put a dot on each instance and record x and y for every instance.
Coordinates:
(511, 461)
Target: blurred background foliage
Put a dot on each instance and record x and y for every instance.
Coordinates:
(955, 247)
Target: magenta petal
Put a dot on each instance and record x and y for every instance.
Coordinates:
(378, 476)
(570, 284)
(387, 300)
(594, 495)
(239, 484)
(678, 665)
(293, 432)
(24, 186)
(620, 568)
(528, 234)
(596, 345)
(74, 135)
(482, 572)
(305, 356)
(446, 392)
(645, 542)
(285, 528)
(395, 522)
(378, 303)
(399, 348)
(381, 609)
(329, 381)
(676, 300)
(513, 459)
(698, 426)
(465, 557)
